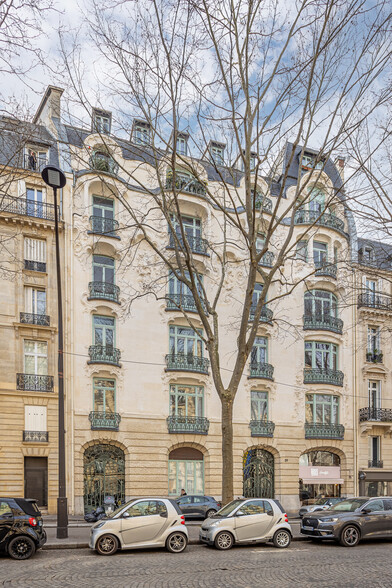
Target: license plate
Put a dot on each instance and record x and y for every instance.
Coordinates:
(307, 528)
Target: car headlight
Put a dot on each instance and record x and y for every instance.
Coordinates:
(215, 524)
(330, 520)
(99, 525)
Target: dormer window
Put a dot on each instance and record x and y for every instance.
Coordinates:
(101, 122)
(252, 161)
(309, 162)
(141, 132)
(182, 144)
(217, 151)
(367, 254)
(35, 158)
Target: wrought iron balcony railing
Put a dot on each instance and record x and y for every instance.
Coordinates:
(374, 357)
(34, 382)
(185, 302)
(190, 186)
(36, 164)
(323, 376)
(187, 363)
(261, 370)
(185, 424)
(369, 413)
(103, 163)
(326, 269)
(26, 207)
(29, 318)
(318, 322)
(104, 226)
(373, 300)
(262, 202)
(104, 354)
(104, 421)
(35, 266)
(262, 428)
(103, 291)
(326, 219)
(196, 244)
(267, 259)
(375, 463)
(265, 316)
(323, 431)
(36, 436)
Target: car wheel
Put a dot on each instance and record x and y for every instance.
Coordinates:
(210, 513)
(224, 540)
(350, 536)
(21, 547)
(176, 542)
(107, 545)
(282, 538)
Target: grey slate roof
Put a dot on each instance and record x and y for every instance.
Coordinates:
(382, 254)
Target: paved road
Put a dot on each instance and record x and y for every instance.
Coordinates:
(304, 564)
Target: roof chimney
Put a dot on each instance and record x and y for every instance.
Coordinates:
(50, 106)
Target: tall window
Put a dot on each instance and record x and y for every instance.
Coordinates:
(301, 251)
(35, 200)
(184, 341)
(104, 331)
(256, 295)
(371, 289)
(322, 409)
(104, 395)
(259, 406)
(180, 294)
(374, 451)
(103, 207)
(103, 269)
(191, 226)
(186, 473)
(36, 358)
(320, 253)
(141, 133)
(259, 351)
(373, 339)
(35, 300)
(186, 401)
(182, 145)
(321, 355)
(316, 200)
(102, 122)
(35, 254)
(217, 154)
(374, 390)
(321, 303)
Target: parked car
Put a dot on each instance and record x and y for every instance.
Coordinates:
(196, 506)
(247, 521)
(351, 520)
(21, 527)
(320, 504)
(140, 523)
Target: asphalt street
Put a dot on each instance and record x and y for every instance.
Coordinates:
(305, 564)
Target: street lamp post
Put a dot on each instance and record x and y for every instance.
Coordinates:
(55, 178)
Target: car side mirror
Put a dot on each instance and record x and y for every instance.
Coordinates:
(163, 515)
(239, 513)
(366, 511)
(270, 513)
(126, 515)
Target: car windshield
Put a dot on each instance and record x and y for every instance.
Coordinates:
(228, 509)
(119, 509)
(349, 505)
(321, 500)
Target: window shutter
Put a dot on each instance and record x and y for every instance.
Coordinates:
(35, 418)
(35, 249)
(29, 298)
(21, 188)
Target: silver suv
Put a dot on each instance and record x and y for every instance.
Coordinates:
(142, 522)
(247, 521)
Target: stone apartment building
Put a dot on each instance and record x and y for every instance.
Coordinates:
(142, 416)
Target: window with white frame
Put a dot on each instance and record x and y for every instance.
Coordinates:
(35, 418)
(36, 357)
(217, 153)
(301, 251)
(373, 340)
(182, 145)
(35, 254)
(259, 405)
(141, 133)
(36, 158)
(101, 122)
(322, 409)
(35, 300)
(374, 390)
(320, 253)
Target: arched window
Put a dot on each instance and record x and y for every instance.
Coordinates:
(320, 303)
(186, 471)
(104, 474)
(319, 458)
(258, 471)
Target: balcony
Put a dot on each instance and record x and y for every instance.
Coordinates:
(104, 421)
(262, 428)
(375, 463)
(28, 318)
(34, 266)
(187, 363)
(263, 203)
(373, 300)
(103, 163)
(103, 291)
(381, 415)
(324, 322)
(34, 383)
(104, 226)
(36, 165)
(323, 376)
(184, 302)
(25, 207)
(326, 269)
(196, 244)
(267, 259)
(184, 424)
(104, 354)
(190, 186)
(326, 219)
(374, 357)
(265, 316)
(36, 436)
(261, 370)
(322, 431)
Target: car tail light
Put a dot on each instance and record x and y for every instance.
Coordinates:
(33, 522)
(286, 519)
(182, 520)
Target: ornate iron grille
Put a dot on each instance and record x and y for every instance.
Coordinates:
(183, 424)
(29, 318)
(103, 291)
(34, 382)
(265, 316)
(104, 475)
(258, 467)
(104, 420)
(323, 376)
(373, 300)
(262, 428)
(196, 244)
(187, 363)
(261, 370)
(375, 414)
(104, 354)
(35, 266)
(323, 431)
(306, 217)
(36, 436)
(324, 322)
(190, 186)
(26, 207)
(104, 226)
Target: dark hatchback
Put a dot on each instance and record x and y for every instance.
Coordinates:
(196, 506)
(351, 520)
(21, 530)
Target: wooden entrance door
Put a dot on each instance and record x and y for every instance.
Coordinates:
(36, 479)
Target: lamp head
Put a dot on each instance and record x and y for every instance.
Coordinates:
(53, 177)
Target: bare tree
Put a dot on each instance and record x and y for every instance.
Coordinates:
(249, 75)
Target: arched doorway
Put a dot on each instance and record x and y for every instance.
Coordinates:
(319, 475)
(104, 474)
(186, 471)
(258, 466)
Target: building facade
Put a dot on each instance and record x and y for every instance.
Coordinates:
(142, 414)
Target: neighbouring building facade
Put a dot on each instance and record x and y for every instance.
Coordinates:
(313, 413)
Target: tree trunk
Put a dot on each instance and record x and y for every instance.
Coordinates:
(227, 450)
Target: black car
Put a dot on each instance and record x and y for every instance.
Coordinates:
(196, 506)
(21, 531)
(351, 520)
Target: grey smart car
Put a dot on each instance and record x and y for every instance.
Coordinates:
(247, 521)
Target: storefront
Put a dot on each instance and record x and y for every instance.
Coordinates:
(373, 483)
(319, 476)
